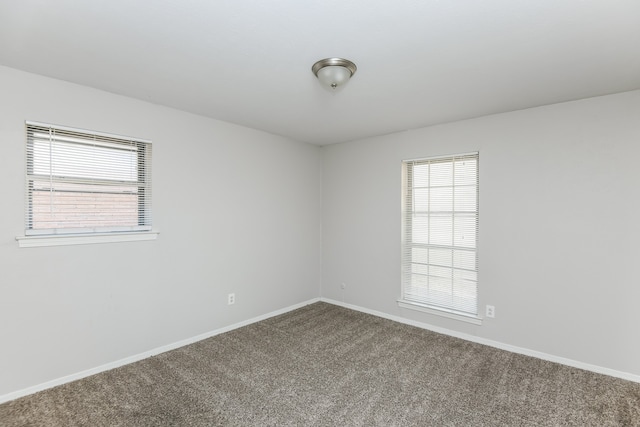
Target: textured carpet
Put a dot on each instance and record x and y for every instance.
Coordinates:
(324, 365)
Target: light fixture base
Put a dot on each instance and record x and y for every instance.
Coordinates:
(334, 62)
(333, 73)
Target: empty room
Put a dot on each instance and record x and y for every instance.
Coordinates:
(336, 213)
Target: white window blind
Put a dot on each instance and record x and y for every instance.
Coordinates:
(440, 230)
(85, 182)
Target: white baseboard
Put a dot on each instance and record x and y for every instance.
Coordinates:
(491, 343)
(131, 359)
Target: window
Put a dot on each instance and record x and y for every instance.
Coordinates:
(81, 182)
(440, 230)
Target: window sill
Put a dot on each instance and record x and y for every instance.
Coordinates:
(84, 239)
(440, 312)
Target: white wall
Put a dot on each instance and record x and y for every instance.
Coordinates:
(559, 226)
(238, 210)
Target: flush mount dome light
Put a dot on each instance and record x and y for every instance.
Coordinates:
(334, 73)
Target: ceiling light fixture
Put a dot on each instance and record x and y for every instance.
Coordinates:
(333, 73)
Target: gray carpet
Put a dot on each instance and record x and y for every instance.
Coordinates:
(324, 365)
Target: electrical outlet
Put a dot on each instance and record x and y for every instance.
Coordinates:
(231, 299)
(491, 311)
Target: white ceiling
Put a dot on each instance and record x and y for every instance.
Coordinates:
(420, 62)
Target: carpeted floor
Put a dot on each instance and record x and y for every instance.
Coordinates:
(324, 365)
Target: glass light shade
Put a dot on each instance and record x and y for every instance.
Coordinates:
(334, 76)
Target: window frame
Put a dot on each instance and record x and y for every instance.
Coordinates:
(408, 213)
(74, 139)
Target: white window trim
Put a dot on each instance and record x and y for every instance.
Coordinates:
(70, 236)
(436, 310)
(84, 239)
(442, 312)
